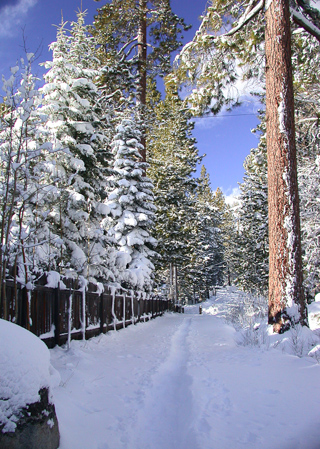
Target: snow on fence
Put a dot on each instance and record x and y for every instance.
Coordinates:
(56, 315)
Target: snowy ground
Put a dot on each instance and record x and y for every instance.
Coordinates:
(184, 382)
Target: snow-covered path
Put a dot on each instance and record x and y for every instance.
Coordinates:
(182, 382)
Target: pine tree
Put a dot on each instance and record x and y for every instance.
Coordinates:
(207, 268)
(23, 151)
(143, 35)
(229, 226)
(132, 210)
(173, 161)
(252, 242)
(77, 126)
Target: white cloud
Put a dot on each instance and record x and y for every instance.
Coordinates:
(231, 195)
(249, 106)
(207, 122)
(13, 15)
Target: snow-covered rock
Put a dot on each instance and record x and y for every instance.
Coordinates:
(27, 416)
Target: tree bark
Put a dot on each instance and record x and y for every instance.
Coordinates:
(142, 68)
(286, 295)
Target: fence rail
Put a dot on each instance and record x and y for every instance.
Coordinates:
(57, 315)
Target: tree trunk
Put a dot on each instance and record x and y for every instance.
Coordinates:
(142, 63)
(286, 295)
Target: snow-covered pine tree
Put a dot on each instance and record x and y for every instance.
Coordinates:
(173, 161)
(23, 177)
(81, 164)
(131, 210)
(251, 244)
(218, 271)
(228, 224)
(207, 268)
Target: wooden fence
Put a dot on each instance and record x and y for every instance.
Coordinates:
(57, 315)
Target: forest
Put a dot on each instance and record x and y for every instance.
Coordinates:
(98, 168)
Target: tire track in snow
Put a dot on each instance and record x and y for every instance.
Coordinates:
(166, 418)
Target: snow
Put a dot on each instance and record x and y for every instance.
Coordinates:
(14, 70)
(314, 313)
(53, 279)
(25, 369)
(267, 4)
(184, 381)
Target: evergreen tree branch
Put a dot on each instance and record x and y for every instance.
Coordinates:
(249, 14)
(312, 12)
(302, 21)
(126, 45)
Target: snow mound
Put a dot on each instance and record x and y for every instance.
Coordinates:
(314, 313)
(25, 369)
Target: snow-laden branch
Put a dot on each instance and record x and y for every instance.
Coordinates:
(312, 12)
(249, 14)
(251, 11)
(122, 52)
(125, 46)
(302, 21)
(311, 119)
(108, 97)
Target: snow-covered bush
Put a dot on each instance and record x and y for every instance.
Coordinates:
(248, 314)
(254, 336)
(248, 311)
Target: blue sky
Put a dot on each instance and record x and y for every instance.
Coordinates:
(225, 140)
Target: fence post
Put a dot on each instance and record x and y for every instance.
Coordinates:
(56, 318)
(133, 321)
(124, 309)
(101, 312)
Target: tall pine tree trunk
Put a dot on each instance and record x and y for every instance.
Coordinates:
(142, 61)
(286, 295)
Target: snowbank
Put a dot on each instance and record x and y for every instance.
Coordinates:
(25, 369)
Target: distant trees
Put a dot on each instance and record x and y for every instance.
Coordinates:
(188, 221)
(173, 160)
(208, 264)
(251, 249)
